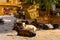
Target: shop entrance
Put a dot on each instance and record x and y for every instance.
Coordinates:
(6, 11)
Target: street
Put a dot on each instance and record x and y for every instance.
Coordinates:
(40, 35)
(6, 33)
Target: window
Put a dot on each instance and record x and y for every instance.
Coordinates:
(43, 8)
(7, 0)
(2, 0)
(21, 0)
(58, 5)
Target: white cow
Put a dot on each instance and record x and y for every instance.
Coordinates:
(49, 25)
(29, 27)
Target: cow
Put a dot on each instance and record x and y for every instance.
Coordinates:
(25, 30)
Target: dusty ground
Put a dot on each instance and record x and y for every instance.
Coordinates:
(40, 35)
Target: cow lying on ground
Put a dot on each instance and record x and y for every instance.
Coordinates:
(49, 26)
(44, 26)
(25, 30)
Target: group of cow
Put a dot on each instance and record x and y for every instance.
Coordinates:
(24, 28)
